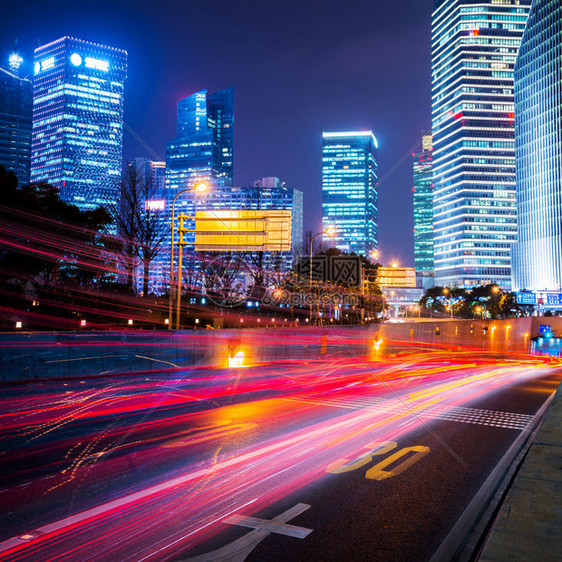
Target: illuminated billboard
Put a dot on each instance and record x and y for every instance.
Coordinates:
(239, 231)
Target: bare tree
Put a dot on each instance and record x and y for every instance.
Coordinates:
(139, 223)
(151, 229)
(124, 216)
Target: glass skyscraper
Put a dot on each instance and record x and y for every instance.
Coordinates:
(423, 207)
(203, 149)
(537, 255)
(201, 153)
(16, 108)
(474, 47)
(78, 120)
(349, 190)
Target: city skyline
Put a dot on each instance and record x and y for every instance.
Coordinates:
(280, 114)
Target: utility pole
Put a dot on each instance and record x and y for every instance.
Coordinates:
(181, 243)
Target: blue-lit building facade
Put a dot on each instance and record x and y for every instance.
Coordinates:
(538, 150)
(78, 120)
(16, 110)
(349, 190)
(474, 48)
(423, 209)
(202, 152)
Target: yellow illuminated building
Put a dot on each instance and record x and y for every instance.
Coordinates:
(243, 230)
(396, 276)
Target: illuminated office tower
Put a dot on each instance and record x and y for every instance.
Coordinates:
(349, 190)
(474, 47)
(538, 150)
(78, 120)
(201, 153)
(16, 107)
(423, 211)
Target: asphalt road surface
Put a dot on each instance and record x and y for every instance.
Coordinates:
(365, 459)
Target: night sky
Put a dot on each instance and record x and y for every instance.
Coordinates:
(298, 68)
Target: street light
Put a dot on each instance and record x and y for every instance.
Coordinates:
(199, 188)
(447, 292)
(326, 232)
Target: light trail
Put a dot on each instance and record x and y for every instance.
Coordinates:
(213, 444)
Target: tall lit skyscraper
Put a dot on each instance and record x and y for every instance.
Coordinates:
(78, 120)
(474, 47)
(16, 107)
(349, 190)
(423, 209)
(538, 150)
(201, 153)
(202, 150)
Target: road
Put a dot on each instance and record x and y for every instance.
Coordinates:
(362, 458)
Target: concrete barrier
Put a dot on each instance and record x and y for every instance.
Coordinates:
(46, 355)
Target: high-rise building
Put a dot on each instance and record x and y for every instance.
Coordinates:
(203, 149)
(349, 190)
(201, 153)
(281, 197)
(537, 254)
(16, 108)
(423, 210)
(78, 120)
(474, 47)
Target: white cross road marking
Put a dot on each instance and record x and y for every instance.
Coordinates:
(477, 416)
(238, 550)
(267, 525)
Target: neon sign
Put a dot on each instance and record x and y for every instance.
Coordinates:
(97, 64)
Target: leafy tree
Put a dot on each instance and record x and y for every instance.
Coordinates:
(46, 244)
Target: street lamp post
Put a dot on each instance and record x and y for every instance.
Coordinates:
(447, 292)
(199, 188)
(325, 232)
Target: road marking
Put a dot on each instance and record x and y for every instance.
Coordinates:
(129, 499)
(377, 472)
(477, 416)
(345, 465)
(238, 550)
(268, 525)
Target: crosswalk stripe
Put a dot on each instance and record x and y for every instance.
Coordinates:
(478, 416)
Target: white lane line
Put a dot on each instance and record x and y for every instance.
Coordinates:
(142, 494)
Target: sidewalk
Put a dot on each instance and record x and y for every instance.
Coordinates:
(529, 524)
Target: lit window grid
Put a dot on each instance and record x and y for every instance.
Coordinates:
(452, 50)
(78, 120)
(423, 212)
(349, 195)
(538, 99)
(15, 124)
